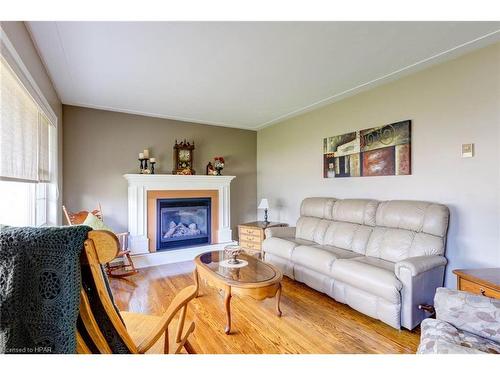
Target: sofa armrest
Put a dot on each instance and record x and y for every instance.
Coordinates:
(418, 265)
(282, 232)
(420, 277)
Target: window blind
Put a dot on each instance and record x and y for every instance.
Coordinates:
(24, 132)
(43, 149)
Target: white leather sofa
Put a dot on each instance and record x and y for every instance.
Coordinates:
(381, 258)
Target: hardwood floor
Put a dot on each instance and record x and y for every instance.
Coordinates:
(311, 323)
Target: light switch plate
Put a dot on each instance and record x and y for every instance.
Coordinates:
(468, 150)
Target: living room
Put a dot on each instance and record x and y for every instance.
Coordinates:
(250, 186)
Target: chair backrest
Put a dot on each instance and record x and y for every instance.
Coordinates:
(75, 218)
(100, 248)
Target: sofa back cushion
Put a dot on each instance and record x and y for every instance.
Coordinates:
(317, 207)
(390, 230)
(352, 224)
(306, 228)
(314, 218)
(347, 236)
(357, 211)
(417, 216)
(408, 229)
(346, 223)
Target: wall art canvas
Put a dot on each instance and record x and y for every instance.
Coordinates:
(379, 151)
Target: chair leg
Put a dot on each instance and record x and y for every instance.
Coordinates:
(129, 268)
(108, 269)
(189, 348)
(131, 263)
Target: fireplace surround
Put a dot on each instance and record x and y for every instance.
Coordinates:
(144, 191)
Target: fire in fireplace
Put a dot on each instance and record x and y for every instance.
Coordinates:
(182, 222)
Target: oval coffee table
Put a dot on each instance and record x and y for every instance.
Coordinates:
(257, 279)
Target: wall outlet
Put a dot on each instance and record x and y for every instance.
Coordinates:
(468, 150)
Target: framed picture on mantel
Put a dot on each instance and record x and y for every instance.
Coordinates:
(379, 151)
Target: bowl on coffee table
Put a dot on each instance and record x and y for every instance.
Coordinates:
(233, 251)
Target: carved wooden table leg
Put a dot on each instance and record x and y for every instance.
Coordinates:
(278, 298)
(208, 271)
(227, 304)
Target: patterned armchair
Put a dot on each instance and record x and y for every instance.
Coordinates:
(465, 323)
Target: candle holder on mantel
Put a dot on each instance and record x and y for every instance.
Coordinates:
(141, 165)
(144, 168)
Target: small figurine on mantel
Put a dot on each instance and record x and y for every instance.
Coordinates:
(210, 169)
(143, 160)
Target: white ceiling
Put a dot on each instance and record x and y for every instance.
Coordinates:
(239, 74)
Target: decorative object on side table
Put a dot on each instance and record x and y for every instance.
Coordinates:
(143, 163)
(252, 234)
(183, 158)
(219, 165)
(264, 205)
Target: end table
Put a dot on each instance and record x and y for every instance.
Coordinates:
(252, 234)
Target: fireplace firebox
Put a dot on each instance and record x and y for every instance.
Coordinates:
(182, 222)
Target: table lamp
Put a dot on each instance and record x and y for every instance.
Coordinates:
(264, 205)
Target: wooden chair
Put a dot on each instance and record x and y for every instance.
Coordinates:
(140, 333)
(113, 270)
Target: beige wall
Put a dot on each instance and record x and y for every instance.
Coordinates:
(100, 146)
(21, 40)
(450, 104)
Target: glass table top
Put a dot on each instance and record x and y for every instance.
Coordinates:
(255, 271)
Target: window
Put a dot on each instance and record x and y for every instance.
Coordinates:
(17, 203)
(28, 146)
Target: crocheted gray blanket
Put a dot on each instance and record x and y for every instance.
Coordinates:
(40, 288)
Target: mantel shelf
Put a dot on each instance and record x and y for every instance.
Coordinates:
(174, 177)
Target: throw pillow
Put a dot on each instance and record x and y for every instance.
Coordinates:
(95, 223)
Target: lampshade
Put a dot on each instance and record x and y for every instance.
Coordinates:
(264, 204)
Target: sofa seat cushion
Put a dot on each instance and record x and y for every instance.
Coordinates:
(283, 247)
(320, 258)
(385, 264)
(440, 337)
(371, 275)
(339, 252)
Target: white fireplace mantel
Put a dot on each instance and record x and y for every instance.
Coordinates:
(140, 184)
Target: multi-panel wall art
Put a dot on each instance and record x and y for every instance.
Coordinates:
(380, 151)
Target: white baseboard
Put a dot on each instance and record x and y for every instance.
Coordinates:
(175, 256)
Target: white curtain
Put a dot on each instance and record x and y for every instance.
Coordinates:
(24, 132)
